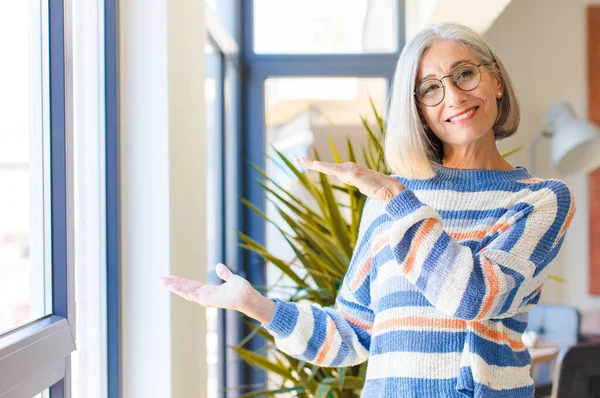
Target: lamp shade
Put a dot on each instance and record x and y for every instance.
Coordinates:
(575, 142)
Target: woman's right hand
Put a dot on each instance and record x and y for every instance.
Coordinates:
(235, 294)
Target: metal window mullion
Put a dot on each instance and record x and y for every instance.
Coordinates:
(233, 205)
(61, 157)
(113, 266)
(228, 326)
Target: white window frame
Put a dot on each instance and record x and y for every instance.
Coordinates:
(89, 362)
(36, 356)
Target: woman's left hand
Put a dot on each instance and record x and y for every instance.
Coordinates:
(374, 184)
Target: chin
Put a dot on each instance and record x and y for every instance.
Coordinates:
(471, 129)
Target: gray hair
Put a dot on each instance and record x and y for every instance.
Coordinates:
(410, 150)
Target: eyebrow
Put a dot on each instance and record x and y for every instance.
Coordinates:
(454, 65)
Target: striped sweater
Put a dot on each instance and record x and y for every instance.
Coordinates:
(438, 289)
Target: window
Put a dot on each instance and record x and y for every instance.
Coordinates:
(307, 63)
(225, 14)
(24, 165)
(222, 96)
(318, 27)
(36, 309)
(300, 115)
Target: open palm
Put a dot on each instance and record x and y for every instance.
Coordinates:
(231, 295)
(371, 183)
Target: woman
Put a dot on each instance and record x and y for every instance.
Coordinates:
(452, 251)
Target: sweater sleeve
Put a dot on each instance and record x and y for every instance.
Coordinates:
(338, 336)
(499, 279)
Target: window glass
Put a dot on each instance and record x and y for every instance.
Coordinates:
(321, 27)
(226, 12)
(24, 164)
(300, 114)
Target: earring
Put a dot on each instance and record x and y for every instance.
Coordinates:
(499, 95)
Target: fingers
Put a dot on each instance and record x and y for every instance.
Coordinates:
(223, 272)
(179, 285)
(323, 167)
(172, 280)
(337, 169)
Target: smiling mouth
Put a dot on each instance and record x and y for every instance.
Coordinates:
(463, 116)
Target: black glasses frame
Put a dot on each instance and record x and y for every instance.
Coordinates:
(453, 81)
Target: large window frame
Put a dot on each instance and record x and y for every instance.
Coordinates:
(228, 48)
(36, 356)
(259, 68)
(112, 155)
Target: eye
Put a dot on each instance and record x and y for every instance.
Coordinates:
(429, 89)
(464, 73)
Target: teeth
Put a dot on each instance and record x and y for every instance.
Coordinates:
(463, 116)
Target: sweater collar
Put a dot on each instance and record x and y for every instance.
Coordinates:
(480, 176)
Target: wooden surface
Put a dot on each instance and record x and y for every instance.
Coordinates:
(543, 354)
(593, 14)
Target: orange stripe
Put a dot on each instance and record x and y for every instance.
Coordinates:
(423, 232)
(327, 343)
(531, 180)
(494, 287)
(447, 323)
(382, 242)
(434, 323)
(355, 321)
(361, 274)
(481, 233)
(366, 268)
(569, 216)
(496, 335)
(500, 227)
(460, 236)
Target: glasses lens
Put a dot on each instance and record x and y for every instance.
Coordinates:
(430, 92)
(466, 77)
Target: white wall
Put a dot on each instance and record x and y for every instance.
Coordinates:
(544, 44)
(162, 195)
(476, 14)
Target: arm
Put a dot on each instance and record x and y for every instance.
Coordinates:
(326, 336)
(494, 282)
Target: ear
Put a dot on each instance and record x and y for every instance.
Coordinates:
(498, 80)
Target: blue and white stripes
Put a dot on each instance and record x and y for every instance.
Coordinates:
(437, 292)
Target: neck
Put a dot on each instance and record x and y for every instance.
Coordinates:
(480, 155)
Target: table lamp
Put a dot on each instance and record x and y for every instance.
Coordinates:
(575, 143)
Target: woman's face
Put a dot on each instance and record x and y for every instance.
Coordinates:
(463, 117)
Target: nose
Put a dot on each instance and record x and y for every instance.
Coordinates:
(454, 95)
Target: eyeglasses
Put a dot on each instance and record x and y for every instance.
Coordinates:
(466, 77)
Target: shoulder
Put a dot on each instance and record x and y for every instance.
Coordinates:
(552, 194)
(556, 188)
